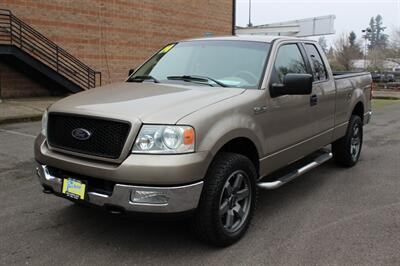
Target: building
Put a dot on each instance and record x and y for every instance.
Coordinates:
(82, 42)
(388, 65)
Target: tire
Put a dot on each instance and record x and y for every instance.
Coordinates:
(346, 151)
(224, 194)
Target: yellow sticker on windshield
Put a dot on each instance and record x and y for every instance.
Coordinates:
(166, 48)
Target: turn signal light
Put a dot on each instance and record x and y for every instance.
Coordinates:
(188, 136)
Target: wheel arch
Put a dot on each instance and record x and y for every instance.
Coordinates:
(359, 110)
(241, 145)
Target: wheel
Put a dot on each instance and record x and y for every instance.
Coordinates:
(227, 201)
(346, 150)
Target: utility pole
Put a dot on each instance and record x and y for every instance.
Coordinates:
(365, 36)
(250, 24)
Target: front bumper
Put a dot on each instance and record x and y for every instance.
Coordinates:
(178, 198)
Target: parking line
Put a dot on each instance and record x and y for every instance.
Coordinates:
(17, 133)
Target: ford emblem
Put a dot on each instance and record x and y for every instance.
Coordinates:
(81, 134)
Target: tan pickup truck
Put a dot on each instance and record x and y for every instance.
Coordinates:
(200, 127)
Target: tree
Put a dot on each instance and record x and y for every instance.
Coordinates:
(393, 49)
(345, 52)
(381, 38)
(322, 42)
(376, 36)
(371, 34)
(352, 38)
(354, 46)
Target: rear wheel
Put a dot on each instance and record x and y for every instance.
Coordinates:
(228, 200)
(346, 151)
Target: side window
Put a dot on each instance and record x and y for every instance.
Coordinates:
(288, 60)
(319, 69)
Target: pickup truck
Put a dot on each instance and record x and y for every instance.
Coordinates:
(201, 127)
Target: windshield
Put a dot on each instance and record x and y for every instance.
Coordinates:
(223, 63)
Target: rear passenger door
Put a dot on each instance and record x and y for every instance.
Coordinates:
(323, 96)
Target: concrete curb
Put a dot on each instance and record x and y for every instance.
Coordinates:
(385, 98)
(386, 94)
(19, 119)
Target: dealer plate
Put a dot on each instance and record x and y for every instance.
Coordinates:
(73, 188)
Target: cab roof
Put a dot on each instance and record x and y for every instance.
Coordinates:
(253, 38)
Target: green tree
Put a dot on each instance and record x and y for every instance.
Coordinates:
(376, 36)
(354, 46)
(352, 38)
(381, 38)
(371, 33)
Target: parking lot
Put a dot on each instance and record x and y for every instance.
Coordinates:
(329, 216)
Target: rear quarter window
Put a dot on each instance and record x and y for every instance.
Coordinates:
(317, 64)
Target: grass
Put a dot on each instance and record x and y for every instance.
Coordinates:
(376, 103)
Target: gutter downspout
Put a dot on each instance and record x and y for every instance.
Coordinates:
(234, 17)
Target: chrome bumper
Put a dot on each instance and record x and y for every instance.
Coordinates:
(175, 199)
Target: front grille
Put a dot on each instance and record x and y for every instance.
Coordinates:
(107, 137)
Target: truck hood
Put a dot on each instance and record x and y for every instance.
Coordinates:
(148, 102)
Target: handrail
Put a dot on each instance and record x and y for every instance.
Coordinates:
(14, 31)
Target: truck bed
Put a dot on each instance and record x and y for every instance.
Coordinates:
(348, 74)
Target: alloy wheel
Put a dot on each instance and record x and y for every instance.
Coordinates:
(235, 201)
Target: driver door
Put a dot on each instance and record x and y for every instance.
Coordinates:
(290, 121)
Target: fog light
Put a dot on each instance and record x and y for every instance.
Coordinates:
(149, 197)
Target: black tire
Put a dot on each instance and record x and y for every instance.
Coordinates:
(208, 222)
(343, 150)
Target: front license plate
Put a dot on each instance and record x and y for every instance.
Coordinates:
(74, 188)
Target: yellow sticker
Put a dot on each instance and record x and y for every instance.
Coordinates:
(166, 48)
(74, 188)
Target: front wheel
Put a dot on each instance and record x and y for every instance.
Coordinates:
(346, 151)
(228, 200)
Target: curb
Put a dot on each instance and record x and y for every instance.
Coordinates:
(19, 119)
(385, 98)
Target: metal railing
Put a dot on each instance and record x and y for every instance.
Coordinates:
(14, 31)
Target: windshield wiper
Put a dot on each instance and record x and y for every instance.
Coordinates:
(143, 78)
(197, 78)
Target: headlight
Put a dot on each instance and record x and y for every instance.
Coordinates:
(44, 123)
(165, 139)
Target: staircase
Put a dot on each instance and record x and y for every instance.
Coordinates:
(41, 58)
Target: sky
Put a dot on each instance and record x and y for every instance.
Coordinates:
(351, 15)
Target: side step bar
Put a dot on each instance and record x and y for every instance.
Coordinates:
(296, 173)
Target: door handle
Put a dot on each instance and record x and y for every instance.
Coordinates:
(313, 100)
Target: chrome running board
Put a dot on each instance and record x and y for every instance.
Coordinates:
(325, 156)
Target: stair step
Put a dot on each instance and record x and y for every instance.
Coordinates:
(305, 166)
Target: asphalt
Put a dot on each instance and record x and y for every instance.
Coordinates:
(330, 216)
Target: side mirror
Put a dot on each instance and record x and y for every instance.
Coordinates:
(131, 72)
(293, 84)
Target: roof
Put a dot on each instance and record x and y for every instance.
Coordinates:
(252, 38)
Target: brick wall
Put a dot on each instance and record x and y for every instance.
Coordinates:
(14, 83)
(113, 36)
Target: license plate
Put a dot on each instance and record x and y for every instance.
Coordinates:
(74, 188)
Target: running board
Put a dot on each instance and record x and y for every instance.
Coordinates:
(296, 173)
